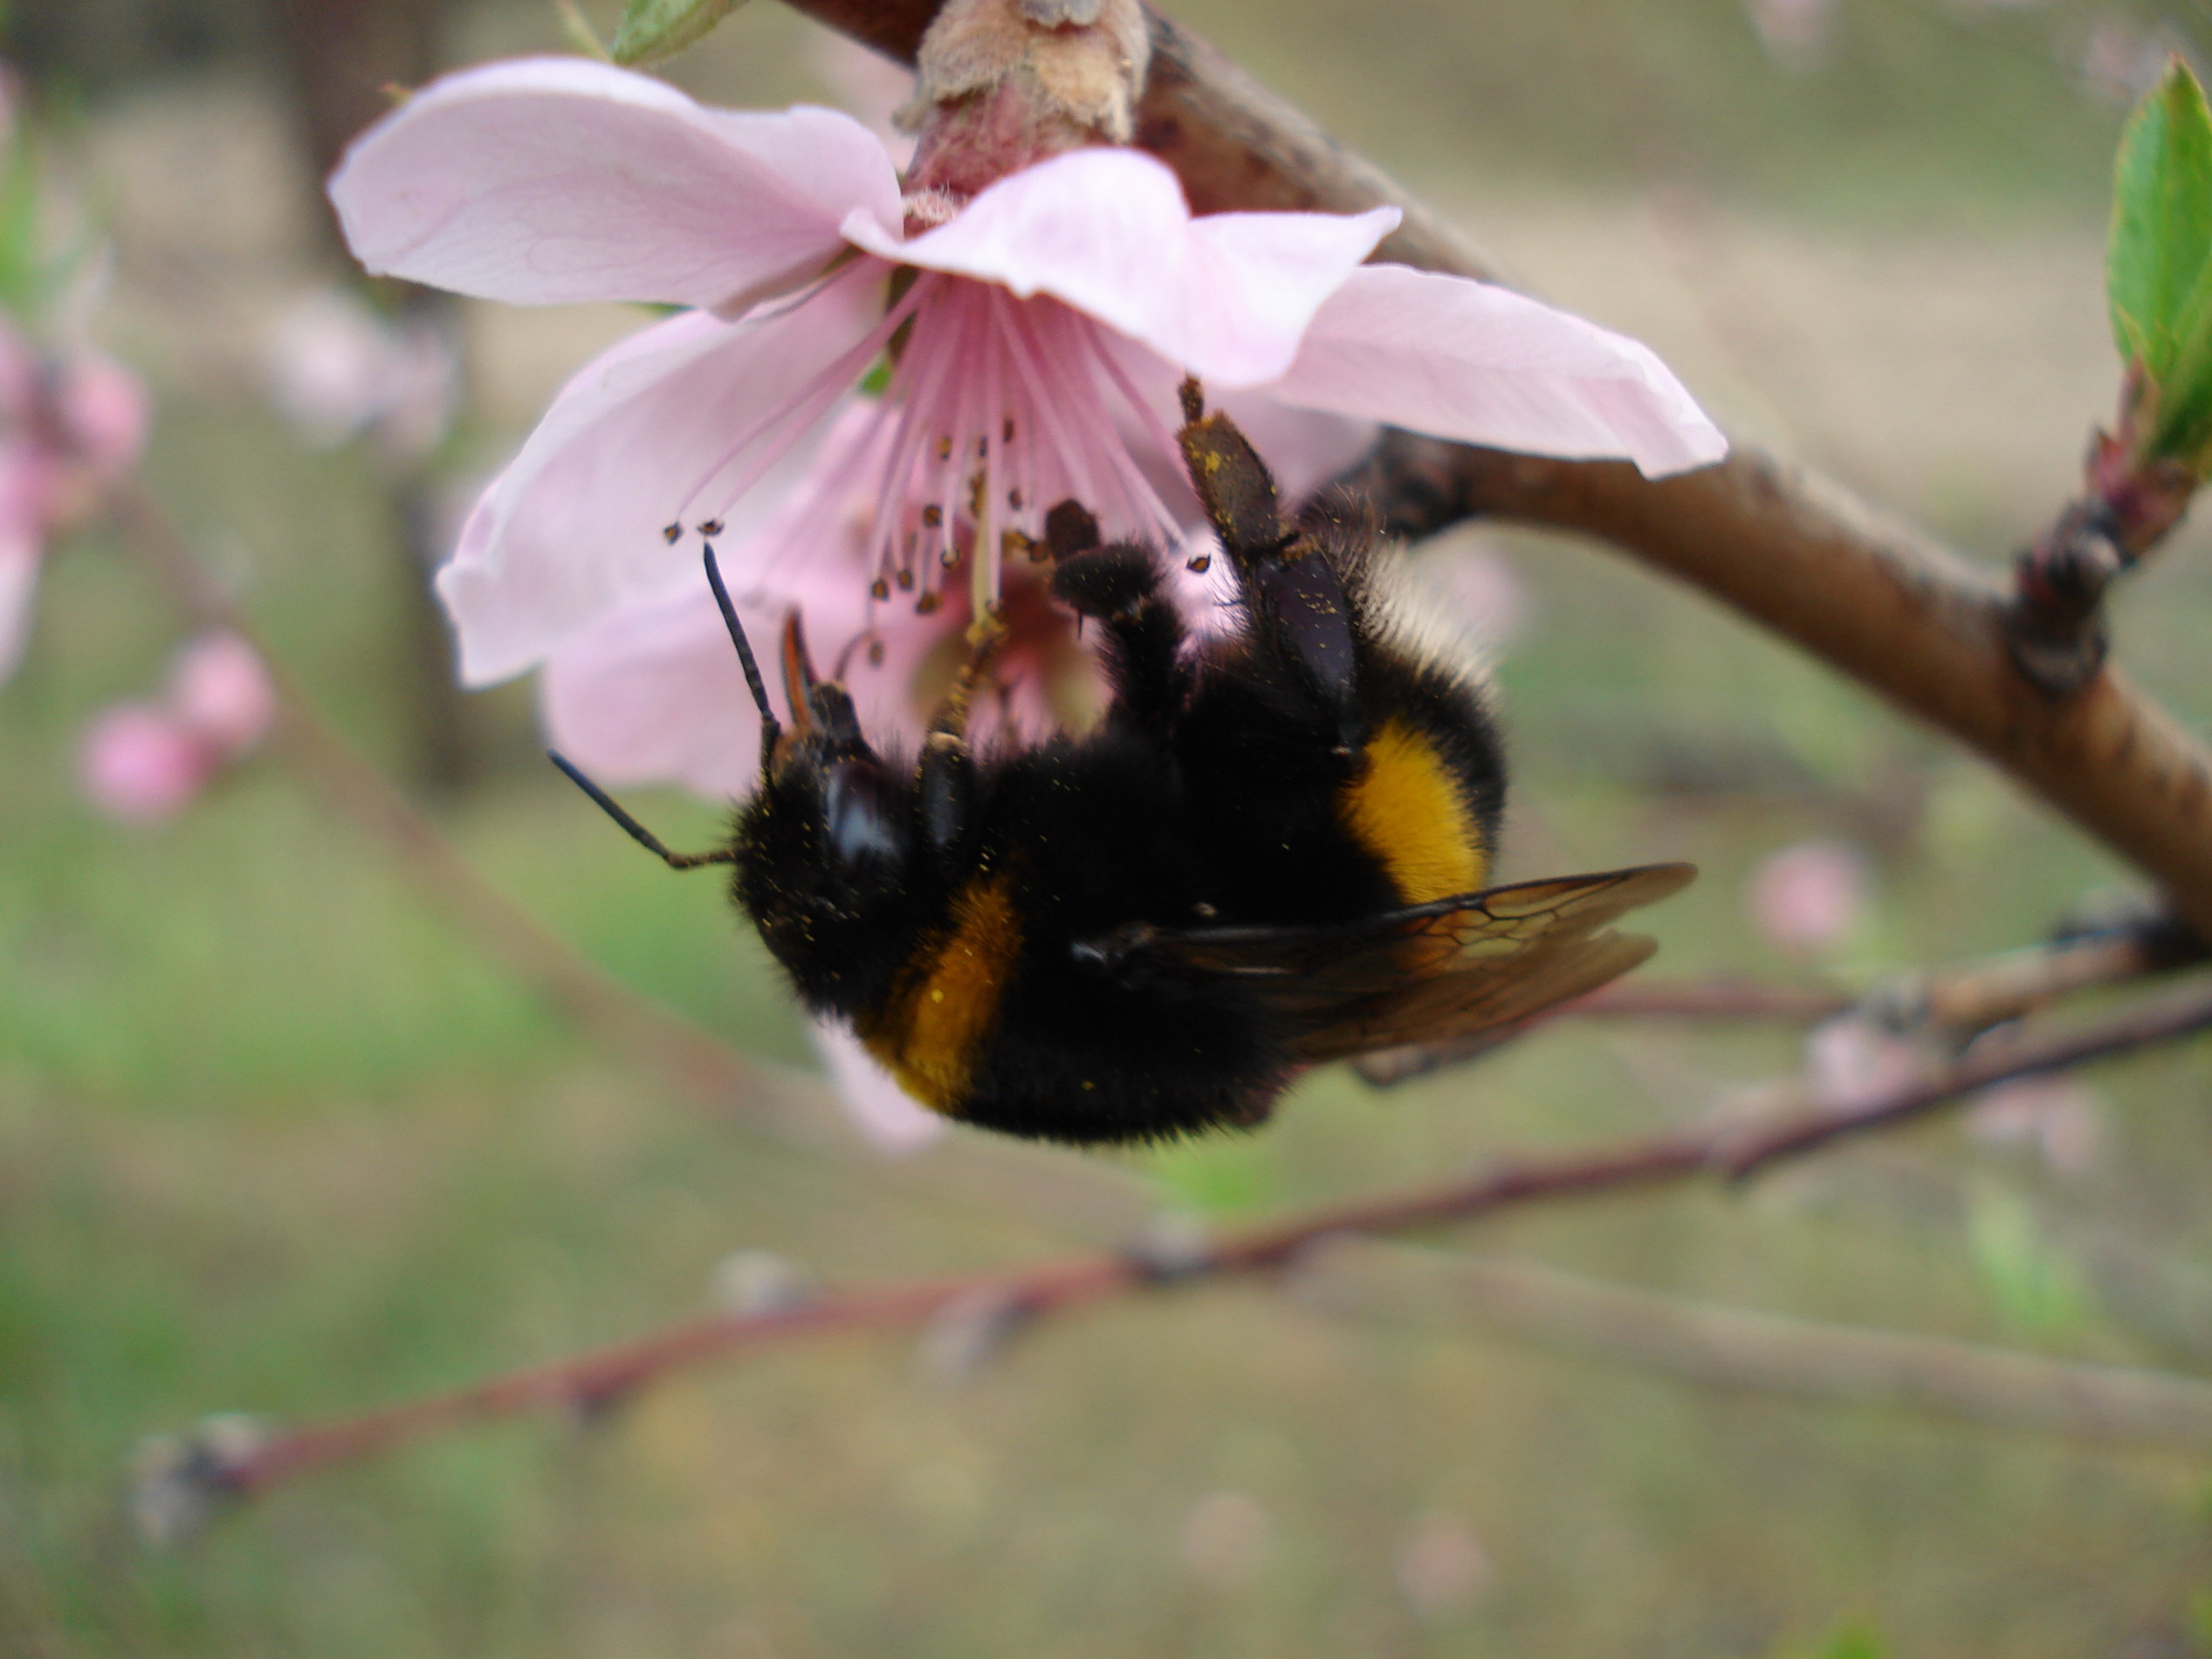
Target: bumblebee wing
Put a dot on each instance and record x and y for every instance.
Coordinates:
(1426, 973)
(1494, 994)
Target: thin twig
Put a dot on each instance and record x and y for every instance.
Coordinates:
(605, 1376)
(1727, 1348)
(2152, 1021)
(1792, 551)
(1956, 1001)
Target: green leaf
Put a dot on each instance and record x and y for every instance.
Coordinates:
(652, 29)
(2036, 1288)
(2162, 242)
(1856, 1642)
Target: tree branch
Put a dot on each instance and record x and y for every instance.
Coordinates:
(208, 1468)
(1790, 551)
(1725, 1348)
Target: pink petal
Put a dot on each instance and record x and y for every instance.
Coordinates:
(1304, 447)
(558, 179)
(1807, 897)
(1107, 232)
(891, 1119)
(221, 689)
(1482, 365)
(18, 581)
(869, 85)
(654, 693)
(571, 530)
(138, 764)
(106, 410)
(1851, 1062)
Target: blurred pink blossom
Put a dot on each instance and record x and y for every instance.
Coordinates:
(1807, 897)
(1851, 1062)
(143, 762)
(221, 689)
(1795, 32)
(1051, 316)
(336, 368)
(2122, 59)
(139, 763)
(2055, 1119)
(70, 425)
(1442, 1566)
(1225, 1539)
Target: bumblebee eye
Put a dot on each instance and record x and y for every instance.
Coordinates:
(861, 819)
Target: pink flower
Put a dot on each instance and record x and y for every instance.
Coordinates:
(1442, 1566)
(144, 762)
(889, 1118)
(1807, 897)
(69, 425)
(221, 689)
(335, 369)
(1225, 1540)
(1795, 32)
(1049, 319)
(139, 763)
(1852, 1062)
(2056, 1118)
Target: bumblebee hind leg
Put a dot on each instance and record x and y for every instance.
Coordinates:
(1302, 615)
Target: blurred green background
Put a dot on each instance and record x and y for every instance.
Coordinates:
(277, 1137)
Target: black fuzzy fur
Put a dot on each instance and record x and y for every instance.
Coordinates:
(1207, 796)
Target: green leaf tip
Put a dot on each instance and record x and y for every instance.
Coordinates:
(652, 29)
(2159, 262)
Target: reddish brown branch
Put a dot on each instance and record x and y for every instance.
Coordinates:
(606, 1375)
(1791, 552)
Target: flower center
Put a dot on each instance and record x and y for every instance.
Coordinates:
(997, 409)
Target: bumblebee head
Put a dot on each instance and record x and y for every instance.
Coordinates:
(825, 851)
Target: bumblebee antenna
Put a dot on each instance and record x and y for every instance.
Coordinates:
(638, 832)
(771, 728)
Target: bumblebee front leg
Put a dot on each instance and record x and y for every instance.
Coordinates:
(945, 779)
(1120, 587)
(985, 637)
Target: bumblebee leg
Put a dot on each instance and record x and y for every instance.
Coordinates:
(985, 636)
(1121, 587)
(944, 782)
(1300, 616)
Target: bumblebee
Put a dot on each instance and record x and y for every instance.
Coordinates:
(1269, 853)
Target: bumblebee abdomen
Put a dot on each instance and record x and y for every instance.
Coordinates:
(1408, 808)
(1085, 1056)
(944, 1010)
